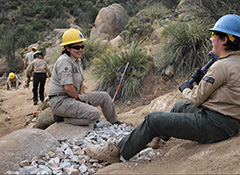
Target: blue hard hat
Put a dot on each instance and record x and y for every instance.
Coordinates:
(229, 24)
(37, 53)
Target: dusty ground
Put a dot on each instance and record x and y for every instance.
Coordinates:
(16, 104)
(177, 156)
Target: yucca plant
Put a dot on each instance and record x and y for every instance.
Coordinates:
(93, 48)
(209, 11)
(110, 67)
(184, 46)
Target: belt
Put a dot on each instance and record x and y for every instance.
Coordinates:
(51, 96)
(58, 95)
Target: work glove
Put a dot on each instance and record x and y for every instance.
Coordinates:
(197, 75)
(185, 85)
(83, 98)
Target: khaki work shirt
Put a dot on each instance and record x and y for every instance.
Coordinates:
(38, 66)
(67, 70)
(29, 57)
(219, 89)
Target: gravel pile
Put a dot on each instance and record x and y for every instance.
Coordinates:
(69, 157)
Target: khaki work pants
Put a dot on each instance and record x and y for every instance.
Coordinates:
(78, 113)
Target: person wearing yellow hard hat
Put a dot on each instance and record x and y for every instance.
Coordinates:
(41, 72)
(210, 112)
(12, 81)
(28, 59)
(68, 100)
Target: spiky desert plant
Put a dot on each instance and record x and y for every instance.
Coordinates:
(209, 11)
(110, 67)
(93, 48)
(184, 46)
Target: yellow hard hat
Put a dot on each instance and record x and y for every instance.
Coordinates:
(11, 75)
(71, 36)
(34, 48)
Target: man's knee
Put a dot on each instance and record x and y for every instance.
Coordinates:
(177, 106)
(153, 118)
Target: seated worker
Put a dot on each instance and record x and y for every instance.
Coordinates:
(12, 81)
(211, 112)
(41, 72)
(68, 100)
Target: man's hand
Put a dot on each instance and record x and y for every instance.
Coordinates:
(83, 98)
(197, 75)
(185, 85)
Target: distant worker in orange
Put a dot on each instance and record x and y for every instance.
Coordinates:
(12, 81)
(28, 59)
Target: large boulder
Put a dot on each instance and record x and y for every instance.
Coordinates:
(117, 42)
(24, 144)
(109, 22)
(63, 130)
(18, 62)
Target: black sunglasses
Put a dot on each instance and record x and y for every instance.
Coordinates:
(77, 47)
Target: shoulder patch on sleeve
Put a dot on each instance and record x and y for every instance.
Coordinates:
(208, 79)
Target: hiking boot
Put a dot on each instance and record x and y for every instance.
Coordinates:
(109, 153)
(154, 143)
(58, 118)
(35, 102)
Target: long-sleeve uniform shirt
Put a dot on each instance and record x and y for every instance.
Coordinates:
(67, 70)
(219, 89)
(38, 66)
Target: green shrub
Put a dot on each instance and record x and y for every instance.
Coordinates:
(140, 27)
(184, 46)
(6, 5)
(93, 48)
(43, 45)
(170, 4)
(110, 66)
(209, 11)
(48, 12)
(60, 23)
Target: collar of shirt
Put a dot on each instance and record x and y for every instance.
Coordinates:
(231, 53)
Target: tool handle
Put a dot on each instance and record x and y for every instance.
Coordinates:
(209, 63)
(120, 82)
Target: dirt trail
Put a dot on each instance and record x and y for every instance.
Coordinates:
(16, 104)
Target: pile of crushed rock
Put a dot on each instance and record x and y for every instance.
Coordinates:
(70, 158)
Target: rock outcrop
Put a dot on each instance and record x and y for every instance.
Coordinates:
(109, 22)
(24, 144)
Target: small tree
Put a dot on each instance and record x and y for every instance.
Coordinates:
(7, 45)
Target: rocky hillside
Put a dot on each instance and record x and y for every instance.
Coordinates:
(35, 149)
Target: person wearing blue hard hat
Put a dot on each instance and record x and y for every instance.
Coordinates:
(211, 112)
(41, 72)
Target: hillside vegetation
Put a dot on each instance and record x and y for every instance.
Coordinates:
(183, 40)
